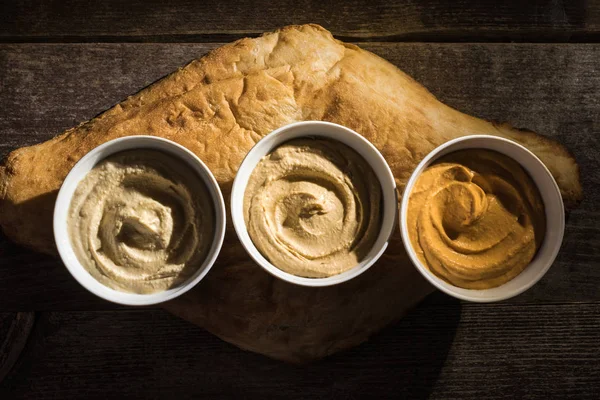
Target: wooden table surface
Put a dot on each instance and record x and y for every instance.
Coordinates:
(535, 64)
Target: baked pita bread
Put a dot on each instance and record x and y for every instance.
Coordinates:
(219, 106)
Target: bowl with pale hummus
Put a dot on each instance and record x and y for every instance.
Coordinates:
(139, 220)
(482, 218)
(314, 203)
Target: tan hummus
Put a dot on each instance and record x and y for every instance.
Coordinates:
(476, 219)
(313, 207)
(141, 221)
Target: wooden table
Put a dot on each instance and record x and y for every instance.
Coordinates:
(532, 63)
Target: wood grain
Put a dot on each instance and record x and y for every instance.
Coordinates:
(32, 281)
(403, 20)
(14, 332)
(547, 88)
(445, 351)
(442, 349)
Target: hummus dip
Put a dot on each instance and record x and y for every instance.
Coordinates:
(141, 221)
(475, 218)
(313, 207)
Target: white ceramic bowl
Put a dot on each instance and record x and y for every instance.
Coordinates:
(79, 171)
(325, 130)
(555, 218)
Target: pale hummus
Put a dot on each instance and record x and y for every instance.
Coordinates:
(476, 219)
(313, 207)
(141, 221)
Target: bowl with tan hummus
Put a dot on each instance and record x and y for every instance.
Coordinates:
(139, 220)
(314, 203)
(482, 218)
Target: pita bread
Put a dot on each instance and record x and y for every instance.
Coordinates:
(219, 106)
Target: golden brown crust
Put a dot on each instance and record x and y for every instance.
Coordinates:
(218, 106)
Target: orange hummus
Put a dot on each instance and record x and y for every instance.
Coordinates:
(476, 219)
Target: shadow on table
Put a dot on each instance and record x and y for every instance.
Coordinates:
(120, 355)
(31, 221)
(404, 360)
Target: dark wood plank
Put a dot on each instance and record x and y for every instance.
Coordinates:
(437, 351)
(32, 281)
(402, 20)
(550, 89)
(14, 332)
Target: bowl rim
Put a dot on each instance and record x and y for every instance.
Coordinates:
(550, 250)
(82, 168)
(326, 130)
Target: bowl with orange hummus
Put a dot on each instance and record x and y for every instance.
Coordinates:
(482, 218)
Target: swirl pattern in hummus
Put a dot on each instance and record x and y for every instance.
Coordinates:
(313, 207)
(476, 219)
(141, 221)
